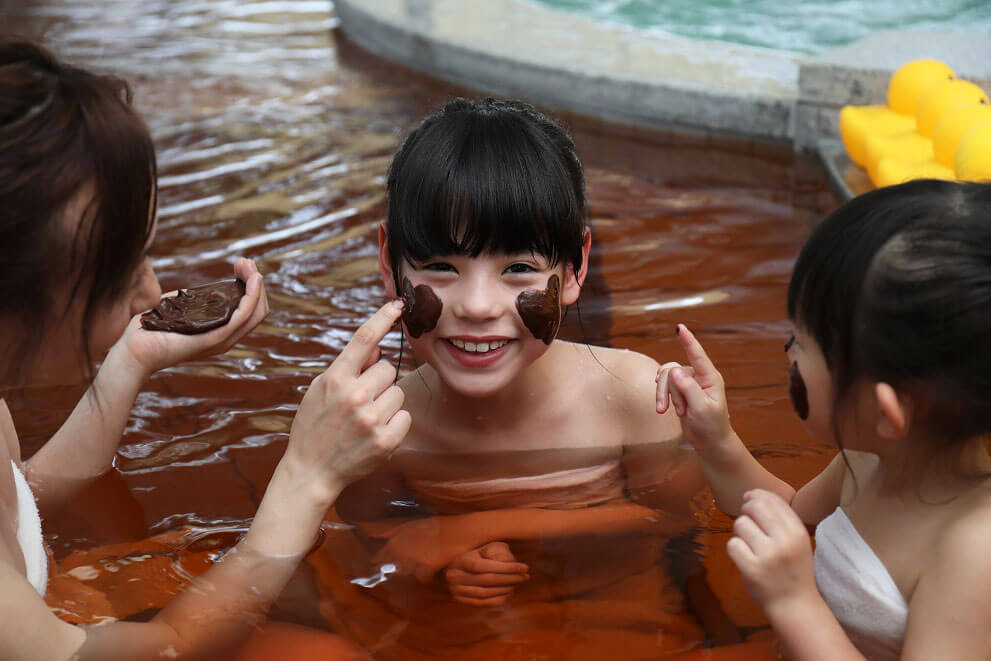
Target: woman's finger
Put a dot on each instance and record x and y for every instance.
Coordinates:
(387, 404)
(376, 379)
(366, 339)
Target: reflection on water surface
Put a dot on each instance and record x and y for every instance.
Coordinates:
(274, 136)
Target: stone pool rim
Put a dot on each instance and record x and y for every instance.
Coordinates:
(564, 61)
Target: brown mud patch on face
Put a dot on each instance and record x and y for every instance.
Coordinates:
(798, 392)
(422, 308)
(540, 310)
(197, 309)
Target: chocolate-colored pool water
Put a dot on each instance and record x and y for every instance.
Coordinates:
(273, 137)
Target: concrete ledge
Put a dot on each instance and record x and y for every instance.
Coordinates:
(515, 48)
(520, 49)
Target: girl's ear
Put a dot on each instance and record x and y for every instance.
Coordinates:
(385, 265)
(895, 412)
(572, 281)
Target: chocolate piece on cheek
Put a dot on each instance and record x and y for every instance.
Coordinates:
(421, 308)
(196, 310)
(798, 393)
(540, 310)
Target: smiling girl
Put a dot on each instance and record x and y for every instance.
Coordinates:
(550, 482)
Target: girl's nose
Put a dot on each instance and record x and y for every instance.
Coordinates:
(149, 291)
(478, 301)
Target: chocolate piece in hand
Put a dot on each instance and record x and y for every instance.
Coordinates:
(197, 309)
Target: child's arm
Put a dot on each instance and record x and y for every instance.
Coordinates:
(699, 398)
(772, 551)
(84, 447)
(423, 547)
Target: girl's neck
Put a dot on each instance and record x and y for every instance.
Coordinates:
(529, 392)
(933, 469)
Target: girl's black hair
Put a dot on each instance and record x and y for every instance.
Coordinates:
(486, 176)
(65, 133)
(895, 286)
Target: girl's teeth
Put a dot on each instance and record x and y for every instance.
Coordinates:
(478, 347)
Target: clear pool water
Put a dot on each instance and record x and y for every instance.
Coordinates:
(803, 27)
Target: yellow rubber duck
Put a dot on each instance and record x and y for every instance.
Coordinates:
(973, 157)
(906, 88)
(947, 136)
(916, 146)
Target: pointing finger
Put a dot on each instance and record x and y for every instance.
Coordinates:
(366, 339)
(705, 372)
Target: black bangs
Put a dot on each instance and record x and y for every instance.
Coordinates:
(486, 177)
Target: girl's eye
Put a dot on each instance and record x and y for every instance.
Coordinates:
(789, 343)
(520, 267)
(438, 266)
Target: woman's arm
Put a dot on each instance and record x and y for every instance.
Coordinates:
(349, 419)
(84, 447)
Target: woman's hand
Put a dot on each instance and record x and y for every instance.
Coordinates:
(150, 351)
(485, 576)
(697, 393)
(771, 548)
(351, 416)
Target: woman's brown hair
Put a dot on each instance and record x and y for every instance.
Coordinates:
(70, 144)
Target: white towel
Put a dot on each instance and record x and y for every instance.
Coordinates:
(29, 533)
(858, 589)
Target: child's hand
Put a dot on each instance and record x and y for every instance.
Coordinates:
(423, 547)
(697, 394)
(771, 548)
(486, 576)
(150, 351)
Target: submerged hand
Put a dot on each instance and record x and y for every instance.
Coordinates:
(485, 576)
(423, 547)
(771, 548)
(150, 351)
(697, 393)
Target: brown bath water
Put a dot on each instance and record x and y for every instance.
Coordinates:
(274, 135)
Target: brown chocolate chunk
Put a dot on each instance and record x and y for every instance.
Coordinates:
(798, 393)
(422, 308)
(540, 310)
(197, 309)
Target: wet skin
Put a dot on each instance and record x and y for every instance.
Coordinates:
(422, 308)
(540, 310)
(196, 310)
(798, 392)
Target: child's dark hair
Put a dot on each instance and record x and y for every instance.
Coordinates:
(895, 286)
(66, 132)
(486, 176)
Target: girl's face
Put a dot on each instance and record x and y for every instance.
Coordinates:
(480, 343)
(810, 385)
